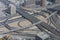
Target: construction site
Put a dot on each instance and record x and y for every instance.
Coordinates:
(29, 19)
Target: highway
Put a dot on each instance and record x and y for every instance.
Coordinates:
(34, 20)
